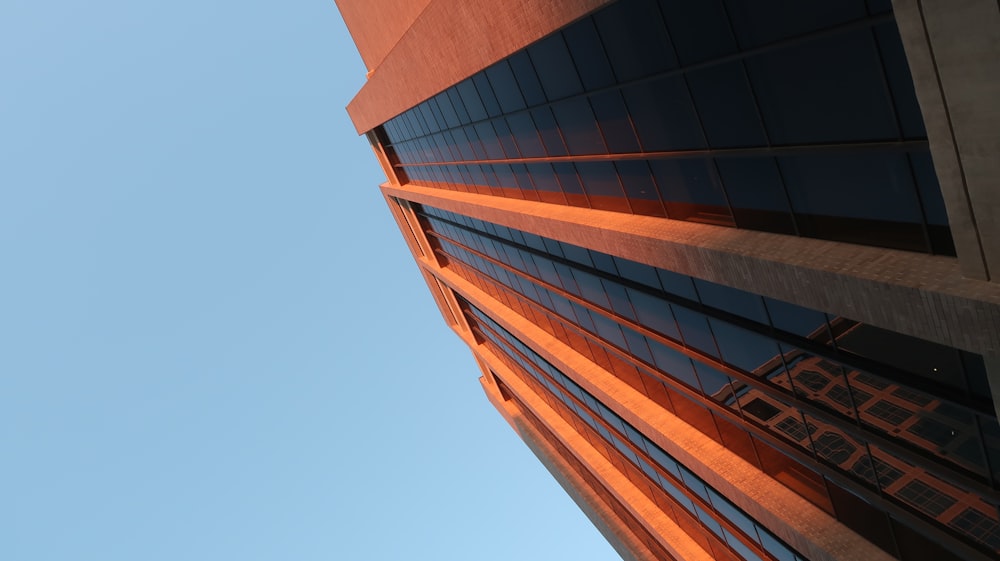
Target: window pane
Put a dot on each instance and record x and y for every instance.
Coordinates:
(555, 67)
(726, 106)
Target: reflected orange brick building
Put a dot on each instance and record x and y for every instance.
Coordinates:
(728, 267)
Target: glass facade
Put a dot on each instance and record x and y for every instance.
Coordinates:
(774, 115)
(871, 426)
(728, 531)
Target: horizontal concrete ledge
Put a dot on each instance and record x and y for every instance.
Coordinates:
(920, 295)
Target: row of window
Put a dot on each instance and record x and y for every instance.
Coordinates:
(883, 199)
(641, 77)
(831, 446)
(671, 476)
(838, 75)
(868, 519)
(625, 288)
(954, 435)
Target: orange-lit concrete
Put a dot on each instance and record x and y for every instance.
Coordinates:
(377, 25)
(435, 51)
(787, 515)
(921, 295)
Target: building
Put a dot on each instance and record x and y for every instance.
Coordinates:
(729, 267)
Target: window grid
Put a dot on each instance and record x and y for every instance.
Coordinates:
(565, 390)
(459, 140)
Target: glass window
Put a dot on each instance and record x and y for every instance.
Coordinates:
(601, 183)
(458, 105)
(824, 90)
(570, 183)
(868, 185)
(654, 313)
(746, 350)
(638, 272)
(930, 189)
(756, 194)
(491, 144)
(726, 106)
(700, 30)
(663, 115)
(619, 299)
(774, 547)
(796, 319)
(635, 39)
(691, 181)
(526, 135)
(527, 79)
(591, 62)
(928, 360)
(604, 262)
(486, 94)
(578, 126)
(637, 181)
(613, 119)
(506, 138)
(505, 87)
(548, 130)
(897, 71)
(577, 254)
(470, 97)
(523, 179)
(731, 300)
(714, 384)
(637, 345)
(609, 330)
(677, 284)
(555, 67)
(447, 110)
(694, 328)
(543, 177)
(673, 363)
(759, 22)
(428, 116)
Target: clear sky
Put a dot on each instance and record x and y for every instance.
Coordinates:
(213, 342)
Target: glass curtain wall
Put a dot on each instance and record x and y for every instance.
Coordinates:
(791, 117)
(915, 428)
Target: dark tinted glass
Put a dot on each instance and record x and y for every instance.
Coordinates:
(897, 72)
(588, 54)
(555, 68)
(578, 126)
(486, 94)
(700, 30)
(470, 97)
(613, 118)
(824, 90)
(732, 300)
(527, 79)
(870, 185)
(688, 181)
(505, 87)
(744, 349)
(635, 39)
(663, 115)
(726, 106)
(525, 135)
(796, 319)
(758, 22)
(694, 328)
(548, 130)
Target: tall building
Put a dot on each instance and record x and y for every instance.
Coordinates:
(729, 267)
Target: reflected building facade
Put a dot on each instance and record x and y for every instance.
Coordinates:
(728, 267)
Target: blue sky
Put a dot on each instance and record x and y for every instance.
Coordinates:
(213, 342)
